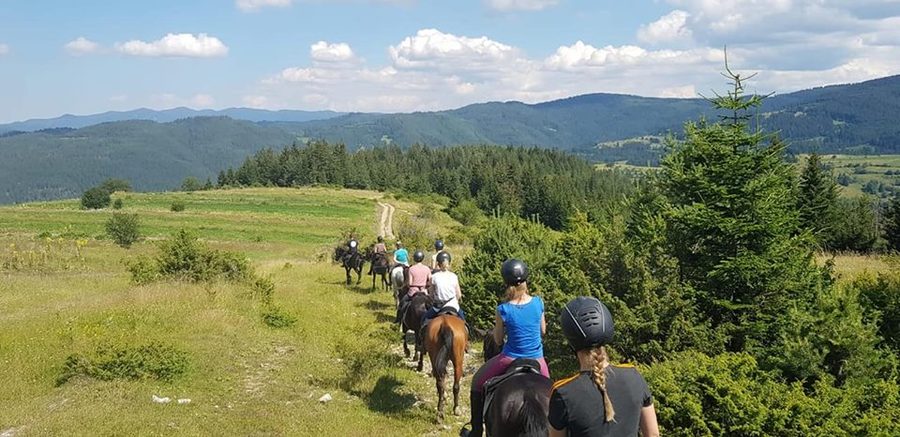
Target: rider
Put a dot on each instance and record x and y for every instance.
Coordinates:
(444, 289)
(521, 319)
(601, 399)
(401, 255)
(352, 245)
(418, 278)
(378, 250)
(438, 249)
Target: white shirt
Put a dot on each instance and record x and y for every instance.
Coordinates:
(445, 286)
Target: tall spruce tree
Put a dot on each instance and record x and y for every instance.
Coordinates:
(817, 199)
(733, 224)
(892, 224)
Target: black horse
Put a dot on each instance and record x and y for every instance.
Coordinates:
(521, 404)
(379, 266)
(350, 260)
(411, 320)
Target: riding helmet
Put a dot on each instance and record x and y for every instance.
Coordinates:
(439, 245)
(443, 257)
(380, 239)
(586, 323)
(418, 256)
(514, 272)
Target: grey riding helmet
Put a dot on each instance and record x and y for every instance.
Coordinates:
(418, 256)
(514, 272)
(443, 257)
(439, 245)
(586, 323)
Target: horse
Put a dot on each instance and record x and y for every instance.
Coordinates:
(398, 282)
(379, 266)
(350, 260)
(411, 320)
(519, 408)
(445, 340)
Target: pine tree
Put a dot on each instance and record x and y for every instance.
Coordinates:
(892, 224)
(817, 199)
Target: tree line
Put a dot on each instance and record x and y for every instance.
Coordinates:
(541, 184)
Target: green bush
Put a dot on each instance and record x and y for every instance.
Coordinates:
(112, 185)
(177, 206)
(185, 257)
(467, 212)
(118, 204)
(191, 183)
(123, 229)
(95, 198)
(414, 232)
(150, 361)
(276, 318)
(263, 288)
(143, 270)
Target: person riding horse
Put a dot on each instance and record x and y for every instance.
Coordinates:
(602, 399)
(438, 249)
(445, 290)
(418, 281)
(378, 250)
(521, 319)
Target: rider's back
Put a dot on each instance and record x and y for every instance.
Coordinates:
(577, 404)
(523, 328)
(419, 275)
(445, 285)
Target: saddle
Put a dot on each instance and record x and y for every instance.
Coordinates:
(521, 366)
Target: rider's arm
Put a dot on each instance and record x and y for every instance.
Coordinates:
(558, 432)
(649, 426)
(458, 292)
(498, 329)
(543, 325)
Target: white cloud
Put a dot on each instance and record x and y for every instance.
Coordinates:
(581, 55)
(331, 52)
(670, 28)
(432, 48)
(202, 101)
(255, 5)
(520, 5)
(256, 101)
(4, 49)
(81, 46)
(169, 100)
(176, 45)
(680, 92)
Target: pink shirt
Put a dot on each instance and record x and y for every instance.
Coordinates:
(379, 248)
(419, 276)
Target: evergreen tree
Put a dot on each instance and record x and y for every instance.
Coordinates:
(892, 224)
(817, 198)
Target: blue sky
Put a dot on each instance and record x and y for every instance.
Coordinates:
(404, 55)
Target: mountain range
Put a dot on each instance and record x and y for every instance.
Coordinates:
(157, 149)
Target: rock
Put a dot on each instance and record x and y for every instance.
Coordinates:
(184, 401)
(160, 400)
(325, 398)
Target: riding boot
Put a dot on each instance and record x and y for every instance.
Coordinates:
(476, 403)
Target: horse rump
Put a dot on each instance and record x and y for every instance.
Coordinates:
(442, 357)
(520, 408)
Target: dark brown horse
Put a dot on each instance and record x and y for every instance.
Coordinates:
(379, 266)
(350, 260)
(412, 321)
(445, 340)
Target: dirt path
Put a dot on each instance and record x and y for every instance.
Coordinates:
(386, 223)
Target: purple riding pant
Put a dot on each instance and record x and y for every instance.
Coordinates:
(496, 366)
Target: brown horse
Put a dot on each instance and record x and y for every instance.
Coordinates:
(445, 340)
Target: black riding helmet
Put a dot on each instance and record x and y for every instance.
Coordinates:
(514, 272)
(443, 257)
(439, 245)
(418, 256)
(586, 323)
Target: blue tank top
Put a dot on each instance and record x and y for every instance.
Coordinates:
(523, 328)
(401, 255)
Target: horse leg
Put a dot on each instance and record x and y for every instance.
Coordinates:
(421, 357)
(439, 382)
(405, 344)
(373, 281)
(457, 375)
(347, 271)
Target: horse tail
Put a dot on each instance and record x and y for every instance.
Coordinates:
(533, 416)
(442, 357)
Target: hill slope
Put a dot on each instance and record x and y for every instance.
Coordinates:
(153, 156)
(163, 116)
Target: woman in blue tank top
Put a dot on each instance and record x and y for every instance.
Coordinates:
(521, 320)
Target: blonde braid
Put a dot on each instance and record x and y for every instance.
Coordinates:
(601, 361)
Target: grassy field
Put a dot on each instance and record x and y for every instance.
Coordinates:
(863, 169)
(243, 377)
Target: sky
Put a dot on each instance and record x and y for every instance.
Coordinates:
(89, 56)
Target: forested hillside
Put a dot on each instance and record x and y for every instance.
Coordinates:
(153, 156)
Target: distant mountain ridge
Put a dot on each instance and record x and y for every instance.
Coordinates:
(164, 116)
(61, 162)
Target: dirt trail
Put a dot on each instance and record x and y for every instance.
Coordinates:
(386, 223)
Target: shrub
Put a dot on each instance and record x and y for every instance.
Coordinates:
(112, 185)
(415, 232)
(143, 270)
(95, 198)
(263, 287)
(118, 204)
(150, 361)
(191, 183)
(177, 206)
(467, 213)
(123, 229)
(277, 318)
(186, 257)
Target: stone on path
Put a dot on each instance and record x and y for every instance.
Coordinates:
(160, 400)
(325, 398)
